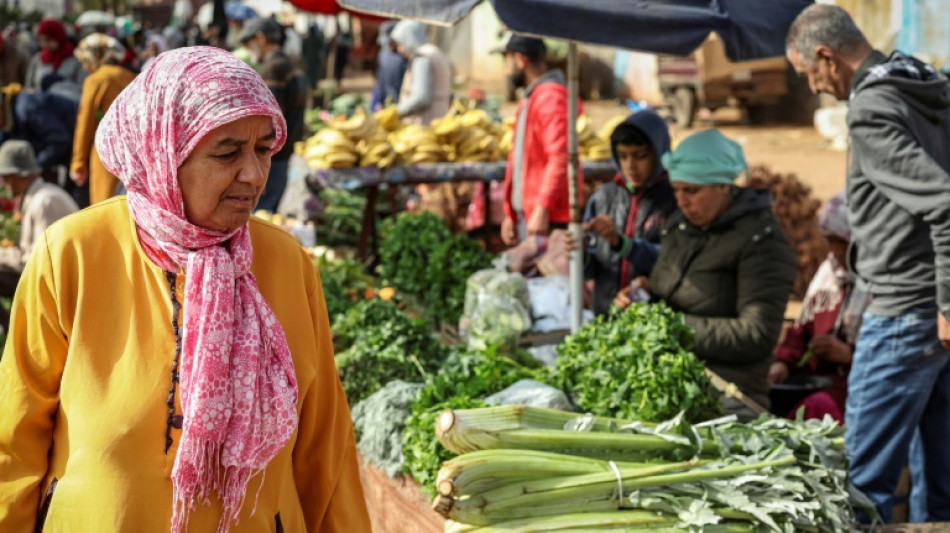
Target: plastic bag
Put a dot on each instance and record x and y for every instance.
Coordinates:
(498, 321)
(531, 393)
(551, 304)
(497, 308)
(473, 287)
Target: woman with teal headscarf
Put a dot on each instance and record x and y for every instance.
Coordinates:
(724, 262)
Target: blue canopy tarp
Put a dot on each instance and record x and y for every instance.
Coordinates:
(749, 29)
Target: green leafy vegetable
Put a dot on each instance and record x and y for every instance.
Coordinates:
(637, 364)
(464, 380)
(379, 343)
(341, 220)
(344, 283)
(421, 257)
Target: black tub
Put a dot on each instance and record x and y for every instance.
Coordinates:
(785, 396)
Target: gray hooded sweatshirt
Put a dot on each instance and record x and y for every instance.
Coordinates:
(427, 86)
(899, 184)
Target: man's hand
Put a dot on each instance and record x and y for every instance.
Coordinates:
(571, 241)
(622, 300)
(831, 348)
(778, 372)
(508, 234)
(539, 224)
(605, 227)
(79, 177)
(943, 330)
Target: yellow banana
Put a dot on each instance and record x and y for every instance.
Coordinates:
(608, 128)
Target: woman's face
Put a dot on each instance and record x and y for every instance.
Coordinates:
(224, 176)
(48, 43)
(702, 204)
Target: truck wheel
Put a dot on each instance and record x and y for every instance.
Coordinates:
(684, 106)
(762, 113)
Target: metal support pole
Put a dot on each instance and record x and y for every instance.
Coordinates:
(577, 256)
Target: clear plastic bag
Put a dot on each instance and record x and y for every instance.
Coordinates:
(498, 321)
(497, 308)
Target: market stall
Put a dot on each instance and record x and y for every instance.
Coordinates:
(749, 29)
(621, 392)
(371, 179)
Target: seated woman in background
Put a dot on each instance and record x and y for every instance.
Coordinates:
(822, 340)
(725, 263)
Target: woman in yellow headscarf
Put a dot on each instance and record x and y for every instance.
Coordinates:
(100, 56)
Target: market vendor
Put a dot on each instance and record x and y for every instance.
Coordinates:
(625, 217)
(822, 340)
(536, 188)
(427, 85)
(725, 263)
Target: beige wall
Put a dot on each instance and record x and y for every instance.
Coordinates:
(880, 20)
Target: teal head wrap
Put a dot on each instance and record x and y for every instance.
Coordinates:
(705, 158)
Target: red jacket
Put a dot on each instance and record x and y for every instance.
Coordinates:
(544, 168)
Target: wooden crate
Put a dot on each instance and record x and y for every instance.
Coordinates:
(397, 505)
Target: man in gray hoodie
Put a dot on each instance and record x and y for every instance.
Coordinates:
(898, 188)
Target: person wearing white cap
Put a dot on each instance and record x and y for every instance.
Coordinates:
(41, 204)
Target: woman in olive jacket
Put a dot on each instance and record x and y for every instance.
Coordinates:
(724, 262)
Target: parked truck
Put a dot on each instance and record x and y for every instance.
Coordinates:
(766, 89)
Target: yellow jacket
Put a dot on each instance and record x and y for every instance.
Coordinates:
(85, 377)
(99, 90)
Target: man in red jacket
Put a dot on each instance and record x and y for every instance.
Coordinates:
(536, 193)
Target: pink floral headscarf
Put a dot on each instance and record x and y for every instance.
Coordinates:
(238, 387)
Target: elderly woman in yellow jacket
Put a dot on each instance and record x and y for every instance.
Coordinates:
(169, 365)
(100, 56)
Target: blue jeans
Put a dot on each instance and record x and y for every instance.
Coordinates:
(899, 382)
(276, 183)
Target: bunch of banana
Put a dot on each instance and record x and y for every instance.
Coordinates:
(476, 146)
(584, 129)
(506, 143)
(388, 118)
(608, 128)
(376, 151)
(330, 148)
(359, 126)
(595, 149)
(505, 132)
(448, 129)
(475, 118)
(415, 145)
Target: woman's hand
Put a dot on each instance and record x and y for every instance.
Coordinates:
(832, 349)
(79, 177)
(604, 226)
(622, 300)
(778, 372)
(642, 282)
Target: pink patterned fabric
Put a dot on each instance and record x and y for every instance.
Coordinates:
(238, 387)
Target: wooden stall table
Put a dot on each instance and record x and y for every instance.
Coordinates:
(371, 179)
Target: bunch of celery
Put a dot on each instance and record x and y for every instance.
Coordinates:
(525, 469)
